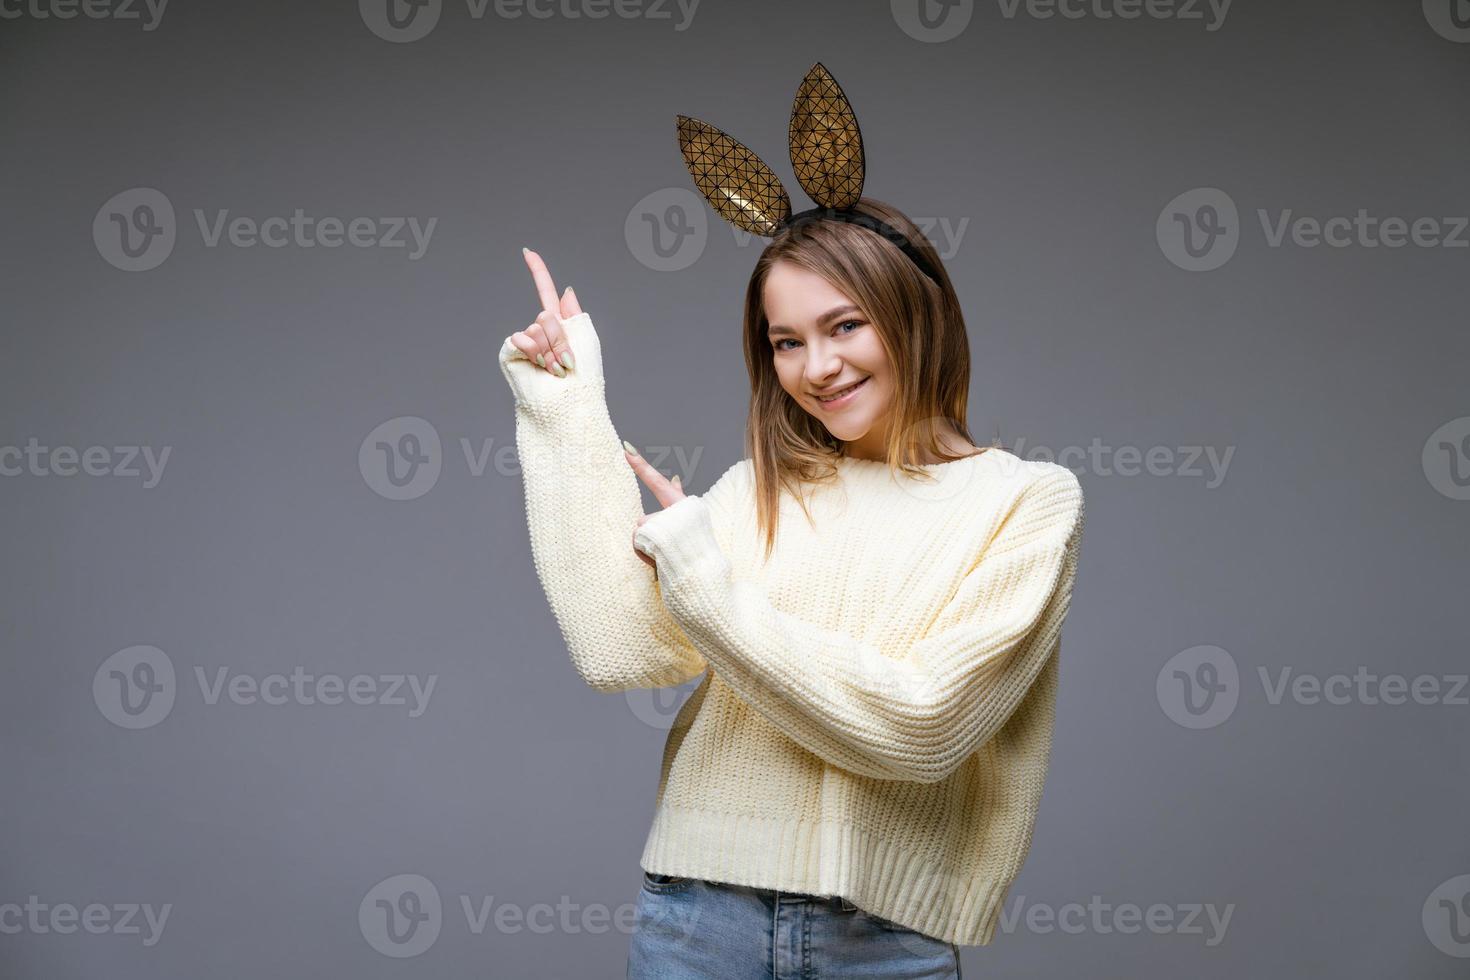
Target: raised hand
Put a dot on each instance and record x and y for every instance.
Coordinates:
(545, 342)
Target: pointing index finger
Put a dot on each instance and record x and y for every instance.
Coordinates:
(545, 288)
(665, 491)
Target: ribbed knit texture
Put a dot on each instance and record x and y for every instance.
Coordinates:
(876, 721)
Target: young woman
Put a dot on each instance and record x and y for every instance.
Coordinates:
(876, 604)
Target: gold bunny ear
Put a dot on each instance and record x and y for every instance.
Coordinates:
(736, 182)
(826, 145)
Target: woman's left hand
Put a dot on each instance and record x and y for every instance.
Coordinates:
(544, 342)
(666, 491)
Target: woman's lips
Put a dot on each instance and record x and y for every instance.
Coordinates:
(846, 399)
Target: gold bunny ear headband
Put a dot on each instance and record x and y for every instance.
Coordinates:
(826, 153)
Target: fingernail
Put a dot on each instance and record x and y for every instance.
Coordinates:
(629, 446)
(524, 250)
(558, 370)
(677, 482)
(541, 360)
(566, 358)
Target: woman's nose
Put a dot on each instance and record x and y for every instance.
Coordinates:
(820, 366)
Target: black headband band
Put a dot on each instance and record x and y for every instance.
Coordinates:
(872, 224)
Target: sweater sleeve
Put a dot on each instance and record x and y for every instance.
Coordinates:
(582, 504)
(915, 715)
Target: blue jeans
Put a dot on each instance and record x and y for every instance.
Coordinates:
(691, 928)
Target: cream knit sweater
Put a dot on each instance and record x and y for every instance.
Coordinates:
(876, 721)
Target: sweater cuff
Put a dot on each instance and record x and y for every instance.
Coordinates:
(534, 385)
(681, 539)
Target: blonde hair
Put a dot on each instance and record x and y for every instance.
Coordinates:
(922, 331)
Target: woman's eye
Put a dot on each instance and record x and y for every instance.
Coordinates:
(845, 323)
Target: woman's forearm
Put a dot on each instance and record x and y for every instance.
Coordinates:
(582, 505)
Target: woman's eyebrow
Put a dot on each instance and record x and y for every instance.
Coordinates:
(833, 312)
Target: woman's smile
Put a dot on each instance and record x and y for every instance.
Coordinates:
(842, 399)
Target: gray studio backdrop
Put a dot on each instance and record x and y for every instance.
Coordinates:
(282, 695)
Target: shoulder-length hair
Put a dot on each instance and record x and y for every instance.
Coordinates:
(922, 331)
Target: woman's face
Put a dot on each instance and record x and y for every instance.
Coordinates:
(822, 343)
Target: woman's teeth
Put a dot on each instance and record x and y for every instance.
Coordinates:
(843, 393)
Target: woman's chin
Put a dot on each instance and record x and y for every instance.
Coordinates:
(847, 431)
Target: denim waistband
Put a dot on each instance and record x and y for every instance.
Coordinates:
(793, 898)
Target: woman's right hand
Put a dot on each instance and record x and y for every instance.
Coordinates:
(666, 491)
(545, 342)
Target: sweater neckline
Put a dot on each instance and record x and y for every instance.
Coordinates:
(859, 462)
